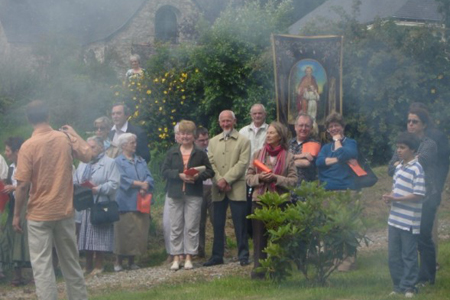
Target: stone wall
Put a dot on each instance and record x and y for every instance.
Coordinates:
(138, 36)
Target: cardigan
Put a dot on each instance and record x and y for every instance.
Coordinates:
(173, 166)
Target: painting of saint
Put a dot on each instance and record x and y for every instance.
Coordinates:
(307, 82)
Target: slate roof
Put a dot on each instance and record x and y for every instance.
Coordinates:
(85, 21)
(369, 10)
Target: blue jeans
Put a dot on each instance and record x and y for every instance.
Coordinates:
(403, 260)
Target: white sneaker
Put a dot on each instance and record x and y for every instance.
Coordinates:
(188, 265)
(393, 293)
(409, 295)
(175, 265)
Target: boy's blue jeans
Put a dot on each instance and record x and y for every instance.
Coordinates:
(403, 260)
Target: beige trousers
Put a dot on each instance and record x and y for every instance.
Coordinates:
(41, 238)
(184, 214)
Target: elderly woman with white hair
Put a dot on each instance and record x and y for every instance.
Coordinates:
(136, 72)
(102, 173)
(131, 231)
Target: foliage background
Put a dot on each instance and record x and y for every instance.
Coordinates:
(229, 66)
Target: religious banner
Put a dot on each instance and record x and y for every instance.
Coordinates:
(308, 77)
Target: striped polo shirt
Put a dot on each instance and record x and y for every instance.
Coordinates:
(408, 179)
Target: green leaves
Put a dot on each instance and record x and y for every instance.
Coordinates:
(315, 235)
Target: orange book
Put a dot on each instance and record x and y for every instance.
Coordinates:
(4, 198)
(354, 165)
(260, 166)
(144, 203)
(312, 148)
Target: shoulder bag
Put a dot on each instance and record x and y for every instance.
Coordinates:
(104, 212)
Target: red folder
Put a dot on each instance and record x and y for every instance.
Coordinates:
(191, 172)
(312, 148)
(87, 184)
(354, 165)
(260, 166)
(144, 203)
(4, 198)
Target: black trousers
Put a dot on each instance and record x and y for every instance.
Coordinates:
(259, 239)
(238, 214)
(427, 251)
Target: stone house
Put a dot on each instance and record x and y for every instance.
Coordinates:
(106, 29)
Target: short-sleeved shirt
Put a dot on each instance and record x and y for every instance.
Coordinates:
(408, 179)
(45, 160)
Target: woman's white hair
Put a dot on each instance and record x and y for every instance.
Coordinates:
(125, 138)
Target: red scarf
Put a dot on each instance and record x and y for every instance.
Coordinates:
(280, 153)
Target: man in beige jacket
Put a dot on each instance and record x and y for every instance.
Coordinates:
(229, 154)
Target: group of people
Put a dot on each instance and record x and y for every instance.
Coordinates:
(113, 163)
(419, 167)
(203, 177)
(229, 174)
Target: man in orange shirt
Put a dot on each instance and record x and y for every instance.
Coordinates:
(44, 168)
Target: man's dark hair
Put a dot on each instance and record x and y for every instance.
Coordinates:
(201, 131)
(422, 114)
(14, 143)
(37, 112)
(126, 109)
(409, 139)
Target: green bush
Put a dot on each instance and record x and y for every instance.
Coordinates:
(316, 235)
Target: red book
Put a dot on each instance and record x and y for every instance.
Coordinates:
(4, 198)
(354, 165)
(87, 184)
(195, 170)
(312, 148)
(261, 167)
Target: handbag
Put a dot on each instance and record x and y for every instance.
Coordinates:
(104, 212)
(367, 180)
(82, 197)
(144, 203)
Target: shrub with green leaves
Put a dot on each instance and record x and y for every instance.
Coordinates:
(315, 235)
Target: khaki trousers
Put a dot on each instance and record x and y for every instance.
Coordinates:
(41, 238)
(184, 223)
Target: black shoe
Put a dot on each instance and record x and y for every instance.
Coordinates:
(244, 262)
(213, 262)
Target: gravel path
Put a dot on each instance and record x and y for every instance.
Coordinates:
(149, 277)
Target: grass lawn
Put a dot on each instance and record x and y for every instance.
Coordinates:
(370, 281)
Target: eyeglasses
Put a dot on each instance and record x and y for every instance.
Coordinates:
(413, 121)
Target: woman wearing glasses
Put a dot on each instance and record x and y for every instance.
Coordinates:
(102, 127)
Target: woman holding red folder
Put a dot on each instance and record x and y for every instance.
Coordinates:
(185, 168)
(333, 159)
(334, 168)
(103, 177)
(272, 169)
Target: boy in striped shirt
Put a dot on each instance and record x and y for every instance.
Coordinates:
(404, 218)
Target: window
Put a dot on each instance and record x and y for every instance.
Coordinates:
(166, 25)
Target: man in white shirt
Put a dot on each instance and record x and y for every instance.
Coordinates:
(256, 131)
(120, 114)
